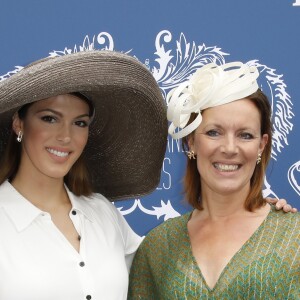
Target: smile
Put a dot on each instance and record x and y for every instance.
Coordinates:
(225, 168)
(58, 153)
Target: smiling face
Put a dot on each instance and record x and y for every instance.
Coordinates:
(55, 132)
(227, 144)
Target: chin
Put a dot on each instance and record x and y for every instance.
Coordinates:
(227, 190)
(57, 174)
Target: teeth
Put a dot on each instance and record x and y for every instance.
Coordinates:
(58, 153)
(226, 168)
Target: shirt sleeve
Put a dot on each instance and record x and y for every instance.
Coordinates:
(131, 239)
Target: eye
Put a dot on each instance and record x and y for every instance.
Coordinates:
(212, 133)
(246, 136)
(48, 119)
(81, 123)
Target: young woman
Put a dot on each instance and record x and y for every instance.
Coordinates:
(233, 245)
(72, 127)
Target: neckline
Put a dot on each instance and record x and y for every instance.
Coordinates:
(233, 258)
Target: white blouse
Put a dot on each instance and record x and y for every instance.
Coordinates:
(38, 263)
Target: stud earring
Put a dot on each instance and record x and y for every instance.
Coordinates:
(19, 137)
(258, 160)
(191, 154)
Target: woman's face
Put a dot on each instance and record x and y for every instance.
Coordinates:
(227, 144)
(55, 132)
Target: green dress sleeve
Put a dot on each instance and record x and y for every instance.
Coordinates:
(141, 281)
(155, 260)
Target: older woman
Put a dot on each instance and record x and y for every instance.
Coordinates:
(233, 245)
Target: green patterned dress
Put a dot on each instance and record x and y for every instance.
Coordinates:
(266, 267)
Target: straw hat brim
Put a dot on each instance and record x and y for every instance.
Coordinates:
(128, 136)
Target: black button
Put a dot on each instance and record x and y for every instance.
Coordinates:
(88, 297)
(79, 237)
(74, 212)
(81, 264)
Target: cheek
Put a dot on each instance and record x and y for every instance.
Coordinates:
(81, 138)
(34, 135)
(252, 156)
(252, 151)
(204, 148)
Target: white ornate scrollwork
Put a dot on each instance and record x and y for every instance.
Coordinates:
(274, 85)
(189, 57)
(292, 178)
(166, 210)
(103, 38)
(10, 73)
(267, 191)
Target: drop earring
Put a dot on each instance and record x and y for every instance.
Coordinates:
(191, 154)
(258, 160)
(19, 137)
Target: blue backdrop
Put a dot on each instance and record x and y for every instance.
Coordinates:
(172, 38)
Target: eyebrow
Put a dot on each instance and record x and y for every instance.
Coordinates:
(221, 127)
(212, 125)
(60, 114)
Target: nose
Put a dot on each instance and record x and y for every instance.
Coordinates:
(229, 145)
(64, 134)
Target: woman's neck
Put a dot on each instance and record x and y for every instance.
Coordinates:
(217, 206)
(44, 192)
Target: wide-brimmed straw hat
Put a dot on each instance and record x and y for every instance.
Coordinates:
(128, 135)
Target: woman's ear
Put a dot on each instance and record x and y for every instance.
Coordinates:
(263, 142)
(17, 123)
(190, 140)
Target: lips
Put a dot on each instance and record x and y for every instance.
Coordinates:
(58, 153)
(226, 167)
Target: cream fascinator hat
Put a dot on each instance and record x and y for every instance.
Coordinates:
(209, 86)
(128, 135)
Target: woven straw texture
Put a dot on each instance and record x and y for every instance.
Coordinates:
(128, 135)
